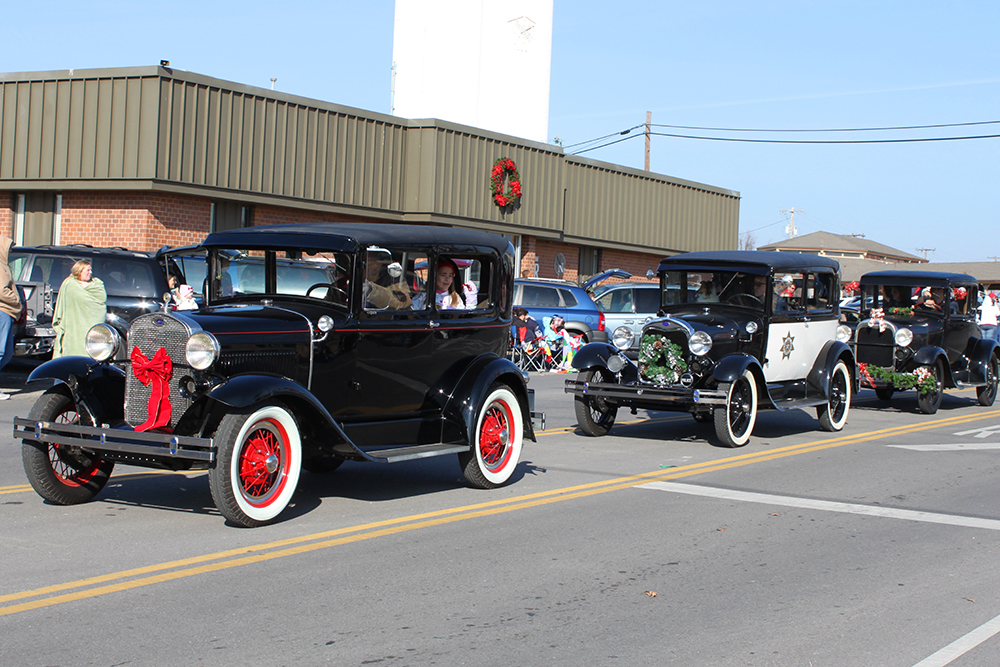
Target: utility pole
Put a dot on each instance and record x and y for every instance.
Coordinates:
(649, 119)
(790, 229)
(925, 251)
(993, 257)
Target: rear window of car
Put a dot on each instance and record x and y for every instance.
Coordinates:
(121, 276)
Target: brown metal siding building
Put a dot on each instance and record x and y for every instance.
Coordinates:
(146, 157)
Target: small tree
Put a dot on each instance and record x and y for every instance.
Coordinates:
(747, 242)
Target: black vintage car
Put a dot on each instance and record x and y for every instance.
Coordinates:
(318, 343)
(737, 331)
(918, 331)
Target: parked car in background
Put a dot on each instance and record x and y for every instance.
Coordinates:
(317, 343)
(627, 307)
(740, 331)
(923, 336)
(545, 297)
(135, 282)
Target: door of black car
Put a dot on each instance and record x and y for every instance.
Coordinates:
(960, 325)
(395, 362)
(466, 326)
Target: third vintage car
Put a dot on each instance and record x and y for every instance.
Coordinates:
(918, 331)
(317, 343)
(737, 331)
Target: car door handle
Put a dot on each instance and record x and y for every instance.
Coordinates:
(434, 325)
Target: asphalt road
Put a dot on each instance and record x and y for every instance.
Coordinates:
(650, 546)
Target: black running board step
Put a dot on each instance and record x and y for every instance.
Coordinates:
(397, 454)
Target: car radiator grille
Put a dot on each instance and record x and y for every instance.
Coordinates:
(678, 338)
(875, 347)
(149, 334)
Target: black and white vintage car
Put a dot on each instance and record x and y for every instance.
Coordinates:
(737, 331)
(318, 343)
(918, 331)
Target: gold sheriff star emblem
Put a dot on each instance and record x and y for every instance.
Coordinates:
(786, 345)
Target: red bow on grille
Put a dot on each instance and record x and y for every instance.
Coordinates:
(155, 371)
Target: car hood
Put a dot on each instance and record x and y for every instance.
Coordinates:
(717, 324)
(246, 321)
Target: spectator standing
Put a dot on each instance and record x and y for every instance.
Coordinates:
(82, 303)
(10, 307)
(988, 314)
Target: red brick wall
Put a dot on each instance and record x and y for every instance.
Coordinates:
(544, 252)
(7, 203)
(138, 221)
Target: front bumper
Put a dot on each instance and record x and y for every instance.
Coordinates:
(648, 394)
(156, 447)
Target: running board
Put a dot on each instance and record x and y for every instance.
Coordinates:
(397, 454)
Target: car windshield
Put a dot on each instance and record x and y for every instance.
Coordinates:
(711, 286)
(904, 302)
(315, 274)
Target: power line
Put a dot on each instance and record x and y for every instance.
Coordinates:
(581, 143)
(837, 129)
(823, 141)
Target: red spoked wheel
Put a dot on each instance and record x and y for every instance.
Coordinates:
(258, 465)
(62, 474)
(498, 436)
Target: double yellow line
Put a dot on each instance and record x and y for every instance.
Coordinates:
(178, 569)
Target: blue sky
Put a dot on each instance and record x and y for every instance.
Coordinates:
(730, 64)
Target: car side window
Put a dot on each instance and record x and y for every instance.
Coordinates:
(615, 301)
(396, 280)
(647, 300)
(819, 288)
(313, 273)
(788, 292)
(539, 296)
(568, 299)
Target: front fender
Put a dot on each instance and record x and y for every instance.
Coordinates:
(833, 351)
(99, 387)
(593, 354)
(731, 368)
(596, 355)
(472, 387)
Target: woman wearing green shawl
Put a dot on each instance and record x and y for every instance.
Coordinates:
(82, 303)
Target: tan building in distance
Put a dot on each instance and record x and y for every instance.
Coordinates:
(149, 156)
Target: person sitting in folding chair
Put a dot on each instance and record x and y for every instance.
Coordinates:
(530, 339)
(561, 343)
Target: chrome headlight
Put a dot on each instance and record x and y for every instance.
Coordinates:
(700, 343)
(843, 333)
(616, 363)
(201, 350)
(903, 337)
(622, 338)
(103, 342)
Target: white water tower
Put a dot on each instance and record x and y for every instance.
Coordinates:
(478, 63)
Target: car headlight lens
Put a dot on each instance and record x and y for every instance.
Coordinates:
(843, 333)
(616, 363)
(700, 343)
(622, 338)
(102, 342)
(202, 350)
(903, 337)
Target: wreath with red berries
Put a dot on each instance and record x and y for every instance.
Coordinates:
(504, 169)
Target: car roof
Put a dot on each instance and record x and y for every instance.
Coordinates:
(351, 237)
(756, 261)
(80, 250)
(917, 278)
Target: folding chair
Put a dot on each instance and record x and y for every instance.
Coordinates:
(533, 354)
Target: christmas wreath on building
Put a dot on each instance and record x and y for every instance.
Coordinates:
(660, 360)
(504, 169)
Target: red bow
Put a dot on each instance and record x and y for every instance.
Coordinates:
(155, 371)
